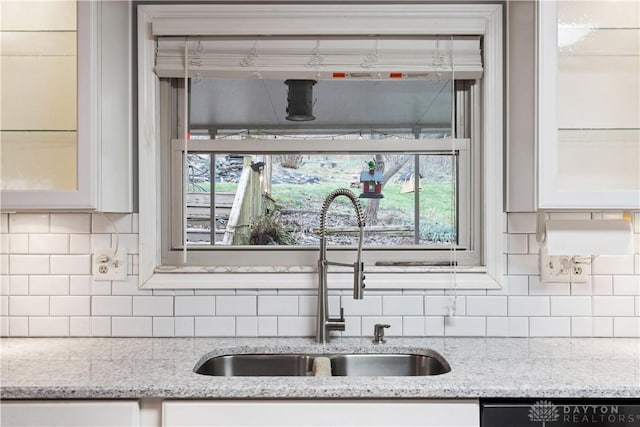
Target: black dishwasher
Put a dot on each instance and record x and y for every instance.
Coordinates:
(550, 412)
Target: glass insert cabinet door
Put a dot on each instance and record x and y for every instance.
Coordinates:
(589, 104)
(39, 96)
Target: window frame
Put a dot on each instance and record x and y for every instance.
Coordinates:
(329, 19)
(468, 255)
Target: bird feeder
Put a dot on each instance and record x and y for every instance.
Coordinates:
(371, 180)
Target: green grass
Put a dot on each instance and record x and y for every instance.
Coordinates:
(435, 199)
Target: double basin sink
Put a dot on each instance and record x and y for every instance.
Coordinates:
(343, 364)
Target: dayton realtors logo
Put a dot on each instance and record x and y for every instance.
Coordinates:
(543, 411)
(610, 415)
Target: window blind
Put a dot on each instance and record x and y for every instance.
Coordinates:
(321, 58)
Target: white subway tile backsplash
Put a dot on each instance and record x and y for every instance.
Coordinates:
(637, 264)
(48, 243)
(439, 305)
(403, 305)
(352, 327)
(636, 222)
(517, 244)
(29, 264)
(49, 326)
(518, 326)
(581, 326)
(18, 285)
(395, 325)
(131, 327)
(613, 306)
(550, 326)
(4, 244)
(602, 285)
(163, 327)
(184, 326)
(4, 264)
(528, 306)
(80, 244)
(637, 306)
(552, 288)
(4, 326)
(486, 305)
(497, 326)
(534, 246)
(4, 223)
(129, 242)
(267, 326)
(215, 326)
(571, 306)
(582, 288)
(4, 305)
(518, 285)
(247, 326)
(5, 284)
(612, 264)
(277, 305)
(296, 326)
(626, 285)
(19, 244)
(100, 241)
(236, 305)
(29, 223)
(130, 287)
(413, 326)
(28, 305)
(465, 326)
(70, 264)
(523, 264)
(80, 326)
(105, 223)
(307, 305)
(152, 306)
(368, 306)
(521, 223)
(111, 306)
(100, 288)
(49, 285)
(626, 327)
(70, 223)
(18, 326)
(434, 326)
(195, 305)
(100, 326)
(70, 305)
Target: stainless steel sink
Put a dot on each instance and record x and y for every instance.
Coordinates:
(360, 365)
(382, 365)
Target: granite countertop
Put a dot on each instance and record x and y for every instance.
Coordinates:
(84, 368)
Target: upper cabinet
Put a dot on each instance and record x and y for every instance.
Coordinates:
(589, 104)
(66, 123)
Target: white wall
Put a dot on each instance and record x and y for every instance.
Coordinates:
(47, 290)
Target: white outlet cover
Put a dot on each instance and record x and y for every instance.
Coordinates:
(586, 269)
(116, 267)
(550, 268)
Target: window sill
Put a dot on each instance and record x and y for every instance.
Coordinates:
(301, 278)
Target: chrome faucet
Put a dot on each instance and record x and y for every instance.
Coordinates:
(325, 324)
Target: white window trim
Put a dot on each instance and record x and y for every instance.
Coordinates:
(387, 19)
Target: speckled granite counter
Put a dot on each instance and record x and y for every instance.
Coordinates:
(63, 368)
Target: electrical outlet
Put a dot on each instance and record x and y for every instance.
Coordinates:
(108, 267)
(554, 268)
(580, 269)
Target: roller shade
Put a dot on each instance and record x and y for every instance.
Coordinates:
(324, 58)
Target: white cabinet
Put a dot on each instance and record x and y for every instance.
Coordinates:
(66, 120)
(301, 413)
(589, 105)
(69, 413)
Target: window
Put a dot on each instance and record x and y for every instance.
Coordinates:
(420, 128)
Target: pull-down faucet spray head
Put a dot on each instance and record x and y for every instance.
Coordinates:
(358, 266)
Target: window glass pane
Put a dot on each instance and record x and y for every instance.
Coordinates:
(277, 199)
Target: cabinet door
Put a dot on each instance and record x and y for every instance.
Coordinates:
(69, 413)
(66, 106)
(425, 413)
(589, 104)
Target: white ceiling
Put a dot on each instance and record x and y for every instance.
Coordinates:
(218, 103)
